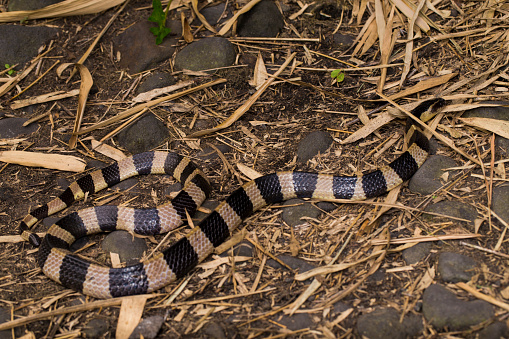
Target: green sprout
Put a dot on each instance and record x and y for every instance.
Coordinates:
(338, 75)
(11, 71)
(159, 17)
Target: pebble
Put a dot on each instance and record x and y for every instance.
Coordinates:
(293, 215)
(204, 54)
(494, 331)
(296, 322)
(129, 248)
(136, 139)
(32, 37)
(5, 316)
(263, 20)
(416, 253)
(384, 323)
(148, 327)
(500, 201)
(343, 40)
(214, 331)
(137, 47)
(156, 80)
(312, 144)
(295, 263)
(455, 267)
(454, 209)
(13, 127)
(243, 249)
(95, 328)
(29, 5)
(377, 277)
(442, 309)
(428, 177)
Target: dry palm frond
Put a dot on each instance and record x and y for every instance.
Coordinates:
(64, 8)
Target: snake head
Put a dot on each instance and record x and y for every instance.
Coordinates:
(426, 110)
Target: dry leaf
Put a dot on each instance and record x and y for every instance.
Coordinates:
(44, 98)
(107, 150)
(500, 127)
(369, 128)
(61, 9)
(186, 29)
(409, 13)
(232, 20)
(426, 280)
(85, 86)
(202, 18)
(52, 161)
(149, 95)
(131, 311)
(248, 171)
(260, 73)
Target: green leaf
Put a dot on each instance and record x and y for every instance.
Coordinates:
(340, 77)
(334, 74)
(159, 17)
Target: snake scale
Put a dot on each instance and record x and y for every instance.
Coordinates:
(70, 270)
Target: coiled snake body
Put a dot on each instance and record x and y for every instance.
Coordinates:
(61, 265)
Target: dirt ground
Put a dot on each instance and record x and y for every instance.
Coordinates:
(290, 111)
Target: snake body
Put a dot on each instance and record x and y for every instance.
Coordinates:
(61, 265)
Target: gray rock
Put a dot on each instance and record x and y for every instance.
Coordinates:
(297, 264)
(214, 331)
(137, 138)
(344, 40)
(148, 327)
(341, 306)
(442, 309)
(207, 53)
(138, 49)
(13, 127)
(5, 316)
(129, 248)
(293, 215)
(29, 5)
(416, 253)
(455, 267)
(156, 80)
(326, 206)
(428, 178)
(297, 321)
(377, 277)
(384, 323)
(312, 144)
(19, 44)
(244, 249)
(263, 20)
(95, 328)
(497, 330)
(215, 14)
(501, 201)
(454, 209)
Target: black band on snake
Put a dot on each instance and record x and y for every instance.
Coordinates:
(72, 271)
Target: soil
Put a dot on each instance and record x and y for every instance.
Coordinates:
(291, 111)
